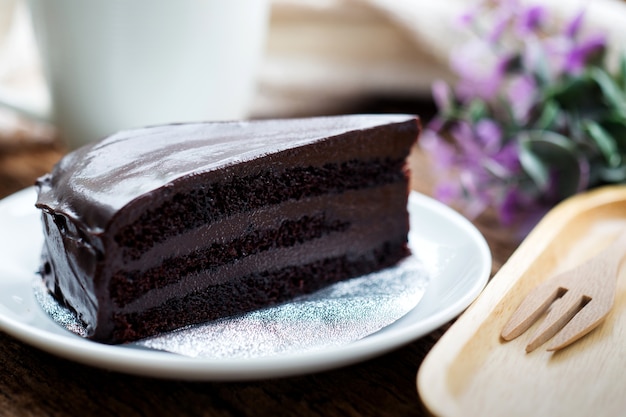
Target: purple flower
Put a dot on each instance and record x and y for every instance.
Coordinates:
(579, 55)
(568, 53)
(447, 191)
(530, 20)
(467, 19)
(511, 203)
(442, 95)
(437, 124)
(573, 27)
(508, 159)
(465, 140)
(505, 76)
(521, 94)
(480, 73)
(489, 134)
(518, 205)
(444, 155)
(499, 28)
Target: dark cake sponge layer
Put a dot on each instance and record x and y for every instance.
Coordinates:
(129, 285)
(281, 235)
(199, 206)
(252, 292)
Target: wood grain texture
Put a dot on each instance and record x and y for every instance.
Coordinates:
(34, 383)
(472, 371)
(574, 302)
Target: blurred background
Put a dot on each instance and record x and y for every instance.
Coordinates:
(321, 57)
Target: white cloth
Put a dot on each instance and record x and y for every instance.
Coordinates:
(324, 55)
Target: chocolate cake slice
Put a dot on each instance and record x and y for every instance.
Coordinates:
(157, 228)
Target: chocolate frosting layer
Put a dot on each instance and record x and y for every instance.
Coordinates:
(99, 179)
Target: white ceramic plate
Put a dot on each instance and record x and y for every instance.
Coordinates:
(447, 244)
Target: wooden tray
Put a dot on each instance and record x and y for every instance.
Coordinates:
(471, 371)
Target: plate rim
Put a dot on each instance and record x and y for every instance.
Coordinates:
(144, 362)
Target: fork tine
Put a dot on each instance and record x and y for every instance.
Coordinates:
(562, 312)
(589, 287)
(532, 307)
(582, 323)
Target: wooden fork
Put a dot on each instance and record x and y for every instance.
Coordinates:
(579, 298)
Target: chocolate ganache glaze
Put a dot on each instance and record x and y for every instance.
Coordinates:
(151, 229)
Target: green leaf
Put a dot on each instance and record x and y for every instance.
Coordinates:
(605, 142)
(534, 166)
(569, 91)
(476, 110)
(548, 115)
(611, 91)
(613, 175)
(621, 71)
(578, 96)
(615, 125)
(546, 156)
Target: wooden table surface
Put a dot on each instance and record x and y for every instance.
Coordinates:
(34, 383)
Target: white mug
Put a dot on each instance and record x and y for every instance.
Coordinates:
(118, 64)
